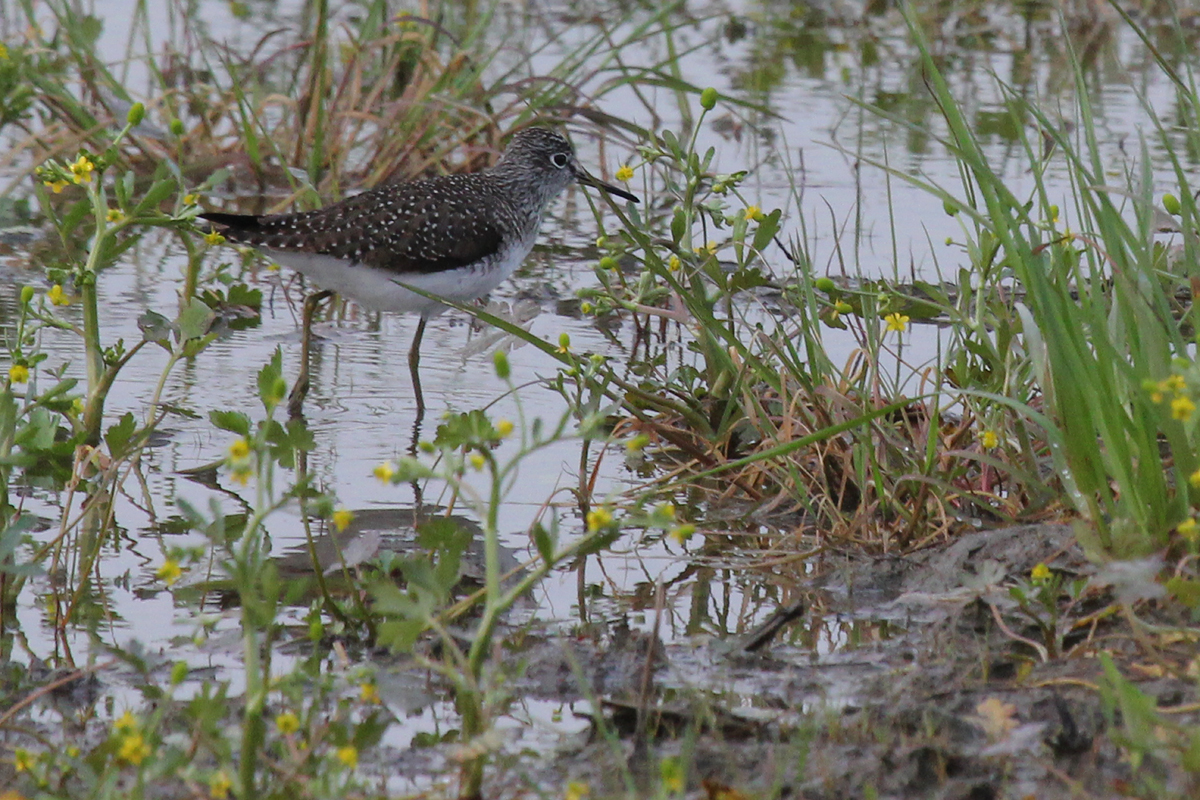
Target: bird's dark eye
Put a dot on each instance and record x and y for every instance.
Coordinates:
(559, 160)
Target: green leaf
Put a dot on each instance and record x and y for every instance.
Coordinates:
(1191, 756)
(156, 194)
(232, 421)
(472, 428)
(749, 278)
(123, 188)
(670, 142)
(195, 320)
(768, 226)
(442, 534)
(118, 435)
(155, 328)
(277, 438)
(75, 214)
(10, 539)
(678, 226)
(86, 29)
(1185, 591)
(193, 347)
(299, 437)
(268, 381)
(544, 542)
(597, 542)
(242, 295)
(401, 634)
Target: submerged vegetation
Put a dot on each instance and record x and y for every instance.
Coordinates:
(770, 384)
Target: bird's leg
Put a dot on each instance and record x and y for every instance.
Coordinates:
(300, 389)
(414, 360)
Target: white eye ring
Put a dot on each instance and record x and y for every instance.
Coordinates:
(559, 160)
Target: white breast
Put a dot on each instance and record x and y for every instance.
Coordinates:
(382, 290)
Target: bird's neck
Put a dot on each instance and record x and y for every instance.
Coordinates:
(515, 182)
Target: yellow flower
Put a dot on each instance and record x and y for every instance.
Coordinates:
(57, 186)
(241, 476)
(1188, 529)
(671, 771)
(1182, 408)
(348, 755)
(287, 723)
(477, 461)
(1175, 383)
(673, 263)
(169, 572)
(625, 174)
(134, 749)
(213, 238)
(564, 343)
(667, 510)
(368, 693)
(1040, 574)
(384, 472)
(896, 322)
(219, 786)
(239, 450)
(683, 533)
(18, 373)
(191, 199)
(1194, 479)
(23, 760)
(577, 790)
(125, 723)
(3, 52)
(989, 439)
(81, 170)
(598, 518)
(341, 518)
(57, 296)
(504, 428)
(753, 214)
(115, 215)
(708, 249)
(637, 443)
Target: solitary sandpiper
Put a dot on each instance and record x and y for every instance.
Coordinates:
(454, 236)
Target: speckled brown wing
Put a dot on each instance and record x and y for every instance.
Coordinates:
(425, 226)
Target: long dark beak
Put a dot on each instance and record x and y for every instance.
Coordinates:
(586, 179)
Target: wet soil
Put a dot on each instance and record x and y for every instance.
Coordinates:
(971, 699)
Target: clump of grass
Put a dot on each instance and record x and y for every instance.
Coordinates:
(753, 396)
